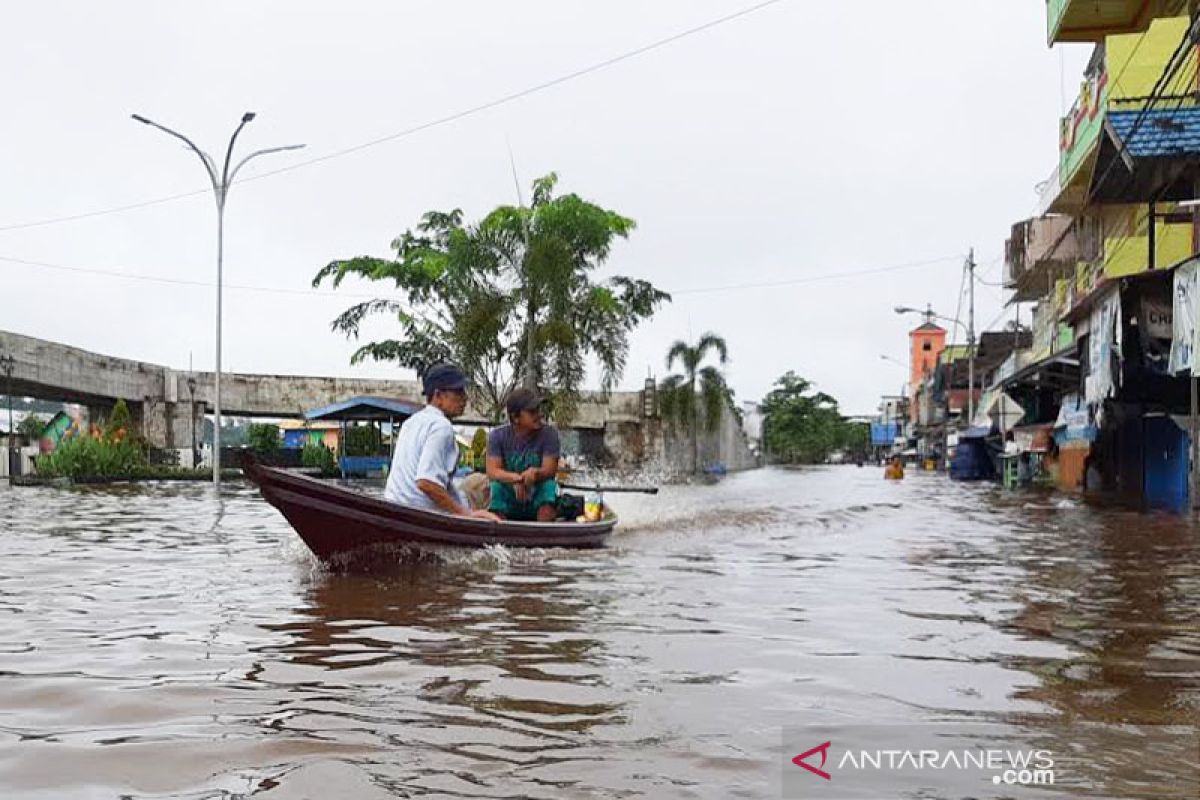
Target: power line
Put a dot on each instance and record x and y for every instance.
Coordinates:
(135, 276)
(424, 126)
(814, 278)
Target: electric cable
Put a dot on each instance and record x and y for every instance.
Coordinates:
(424, 126)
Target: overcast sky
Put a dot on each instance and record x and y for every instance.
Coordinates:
(803, 140)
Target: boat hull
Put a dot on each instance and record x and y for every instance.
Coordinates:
(333, 521)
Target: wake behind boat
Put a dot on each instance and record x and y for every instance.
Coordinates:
(332, 520)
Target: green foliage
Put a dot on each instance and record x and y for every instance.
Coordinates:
(363, 440)
(120, 422)
(318, 456)
(699, 395)
(509, 298)
(801, 426)
(264, 437)
(31, 427)
(477, 455)
(93, 456)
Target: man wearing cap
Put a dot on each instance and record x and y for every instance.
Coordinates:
(522, 460)
(426, 453)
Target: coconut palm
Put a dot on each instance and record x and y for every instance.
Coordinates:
(699, 391)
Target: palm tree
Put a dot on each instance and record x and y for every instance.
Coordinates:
(680, 402)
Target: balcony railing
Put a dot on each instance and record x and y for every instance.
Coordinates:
(1036, 250)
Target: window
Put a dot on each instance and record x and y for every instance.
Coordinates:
(927, 346)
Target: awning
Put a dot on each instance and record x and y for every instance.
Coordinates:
(1059, 371)
(1004, 411)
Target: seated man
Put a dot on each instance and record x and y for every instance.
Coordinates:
(522, 460)
(426, 453)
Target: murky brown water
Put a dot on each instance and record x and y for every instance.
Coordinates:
(157, 643)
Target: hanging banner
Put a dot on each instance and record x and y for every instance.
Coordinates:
(1074, 421)
(1104, 348)
(1187, 294)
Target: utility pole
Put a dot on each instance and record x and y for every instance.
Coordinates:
(7, 363)
(971, 340)
(221, 181)
(529, 381)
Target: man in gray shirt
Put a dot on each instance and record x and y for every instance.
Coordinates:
(522, 462)
(426, 454)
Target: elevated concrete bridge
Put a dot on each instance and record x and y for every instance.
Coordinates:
(159, 399)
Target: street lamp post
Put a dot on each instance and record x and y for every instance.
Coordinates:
(7, 363)
(220, 186)
(191, 384)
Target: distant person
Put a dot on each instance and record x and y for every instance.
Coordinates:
(895, 470)
(522, 461)
(426, 453)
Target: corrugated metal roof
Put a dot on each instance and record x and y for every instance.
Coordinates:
(365, 408)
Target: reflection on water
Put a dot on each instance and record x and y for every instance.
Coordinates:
(155, 642)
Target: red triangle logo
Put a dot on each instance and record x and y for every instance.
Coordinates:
(823, 749)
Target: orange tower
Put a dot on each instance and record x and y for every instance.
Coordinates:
(926, 343)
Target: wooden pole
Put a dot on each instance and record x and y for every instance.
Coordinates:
(1193, 477)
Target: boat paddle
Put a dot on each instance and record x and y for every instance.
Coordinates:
(579, 487)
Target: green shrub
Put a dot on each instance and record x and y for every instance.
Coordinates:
(318, 456)
(31, 427)
(90, 456)
(477, 455)
(120, 423)
(264, 438)
(362, 440)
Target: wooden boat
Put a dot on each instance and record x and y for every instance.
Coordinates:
(332, 520)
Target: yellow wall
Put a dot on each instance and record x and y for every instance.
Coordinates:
(1136, 77)
(1127, 241)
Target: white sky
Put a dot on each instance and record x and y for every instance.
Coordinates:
(801, 140)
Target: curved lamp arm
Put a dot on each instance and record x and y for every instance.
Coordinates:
(207, 161)
(233, 173)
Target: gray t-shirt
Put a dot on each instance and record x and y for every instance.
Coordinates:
(518, 453)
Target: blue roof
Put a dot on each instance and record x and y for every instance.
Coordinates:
(365, 408)
(1162, 131)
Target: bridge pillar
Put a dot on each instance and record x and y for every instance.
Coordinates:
(155, 422)
(182, 418)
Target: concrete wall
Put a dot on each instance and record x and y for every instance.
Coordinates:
(159, 399)
(653, 445)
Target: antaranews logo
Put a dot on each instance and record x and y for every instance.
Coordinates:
(877, 761)
(823, 749)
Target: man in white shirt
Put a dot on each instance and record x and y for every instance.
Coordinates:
(426, 454)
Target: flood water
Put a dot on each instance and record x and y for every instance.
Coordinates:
(157, 642)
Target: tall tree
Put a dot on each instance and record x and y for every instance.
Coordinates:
(510, 299)
(804, 426)
(680, 402)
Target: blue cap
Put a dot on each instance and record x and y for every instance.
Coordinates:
(443, 376)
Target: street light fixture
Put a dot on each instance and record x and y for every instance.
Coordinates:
(220, 186)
